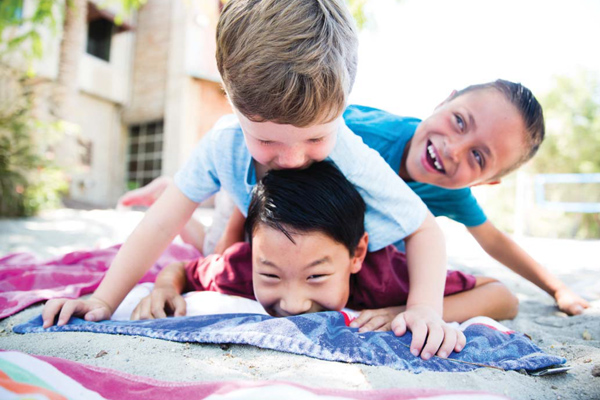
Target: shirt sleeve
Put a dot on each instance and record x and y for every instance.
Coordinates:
(459, 205)
(229, 273)
(198, 178)
(394, 211)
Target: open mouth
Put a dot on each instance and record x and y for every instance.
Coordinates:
(433, 158)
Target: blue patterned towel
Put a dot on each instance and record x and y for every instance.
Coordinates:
(325, 336)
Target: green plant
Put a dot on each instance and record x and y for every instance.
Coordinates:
(28, 180)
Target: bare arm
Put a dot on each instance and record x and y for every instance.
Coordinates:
(161, 223)
(234, 231)
(502, 248)
(489, 298)
(426, 261)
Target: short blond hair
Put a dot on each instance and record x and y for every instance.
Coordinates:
(287, 61)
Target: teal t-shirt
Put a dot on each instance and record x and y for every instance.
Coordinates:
(388, 134)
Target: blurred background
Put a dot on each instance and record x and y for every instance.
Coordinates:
(98, 97)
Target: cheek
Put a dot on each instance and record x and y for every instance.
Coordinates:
(335, 296)
(322, 151)
(260, 153)
(264, 295)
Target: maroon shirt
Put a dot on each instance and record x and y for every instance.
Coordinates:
(381, 282)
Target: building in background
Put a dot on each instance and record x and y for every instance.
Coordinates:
(147, 90)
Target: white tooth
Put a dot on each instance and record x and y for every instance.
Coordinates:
(437, 164)
(431, 152)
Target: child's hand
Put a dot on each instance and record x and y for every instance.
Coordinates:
(570, 302)
(146, 195)
(425, 322)
(92, 309)
(159, 303)
(376, 320)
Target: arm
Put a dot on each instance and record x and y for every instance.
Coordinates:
(426, 261)
(234, 231)
(489, 298)
(161, 223)
(166, 295)
(192, 233)
(502, 248)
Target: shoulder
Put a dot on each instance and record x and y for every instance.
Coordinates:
(370, 122)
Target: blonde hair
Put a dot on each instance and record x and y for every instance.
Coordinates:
(287, 61)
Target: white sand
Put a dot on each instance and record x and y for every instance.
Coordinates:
(575, 262)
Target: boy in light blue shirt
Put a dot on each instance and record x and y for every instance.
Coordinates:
(288, 67)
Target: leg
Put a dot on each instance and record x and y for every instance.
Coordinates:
(489, 298)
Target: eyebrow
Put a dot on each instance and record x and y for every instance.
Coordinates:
(310, 265)
(471, 121)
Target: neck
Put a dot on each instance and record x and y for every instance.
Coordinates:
(403, 172)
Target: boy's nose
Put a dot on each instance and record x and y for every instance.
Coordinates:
(454, 149)
(291, 159)
(294, 305)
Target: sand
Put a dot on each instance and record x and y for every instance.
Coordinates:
(575, 338)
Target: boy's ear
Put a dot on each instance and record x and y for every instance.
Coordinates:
(447, 99)
(494, 182)
(360, 253)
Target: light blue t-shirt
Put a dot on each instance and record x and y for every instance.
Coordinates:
(222, 160)
(388, 134)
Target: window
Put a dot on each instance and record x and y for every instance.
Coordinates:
(145, 153)
(99, 37)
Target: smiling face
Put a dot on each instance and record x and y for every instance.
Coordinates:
(309, 276)
(278, 146)
(467, 141)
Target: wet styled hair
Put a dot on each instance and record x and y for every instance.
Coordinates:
(287, 61)
(529, 109)
(316, 199)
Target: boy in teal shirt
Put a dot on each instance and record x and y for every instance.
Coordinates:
(475, 137)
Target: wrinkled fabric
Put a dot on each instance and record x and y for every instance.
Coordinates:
(42, 375)
(25, 280)
(326, 336)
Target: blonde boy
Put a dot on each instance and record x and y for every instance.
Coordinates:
(288, 67)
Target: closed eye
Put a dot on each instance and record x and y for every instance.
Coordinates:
(269, 276)
(316, 140)
(266, 142)
(317, 277)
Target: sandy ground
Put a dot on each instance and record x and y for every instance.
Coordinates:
(575, 338)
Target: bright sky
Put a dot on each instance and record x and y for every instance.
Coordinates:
(413, 53)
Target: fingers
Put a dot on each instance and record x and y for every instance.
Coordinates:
(399, 325)
(70, 308)
(179, 305)
(419, 332)
(143, 310)
(461, 342)
(97, 314)
(449, 342)
(51, 310)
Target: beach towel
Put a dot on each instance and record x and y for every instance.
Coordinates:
(326, 336)
(24, 376)
(25, 280)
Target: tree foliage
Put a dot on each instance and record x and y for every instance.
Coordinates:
(572, 112)
(572, 145)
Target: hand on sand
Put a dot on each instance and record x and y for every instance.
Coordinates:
(160, 303)
(570, 302)
(92, 309)
(425, 323)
